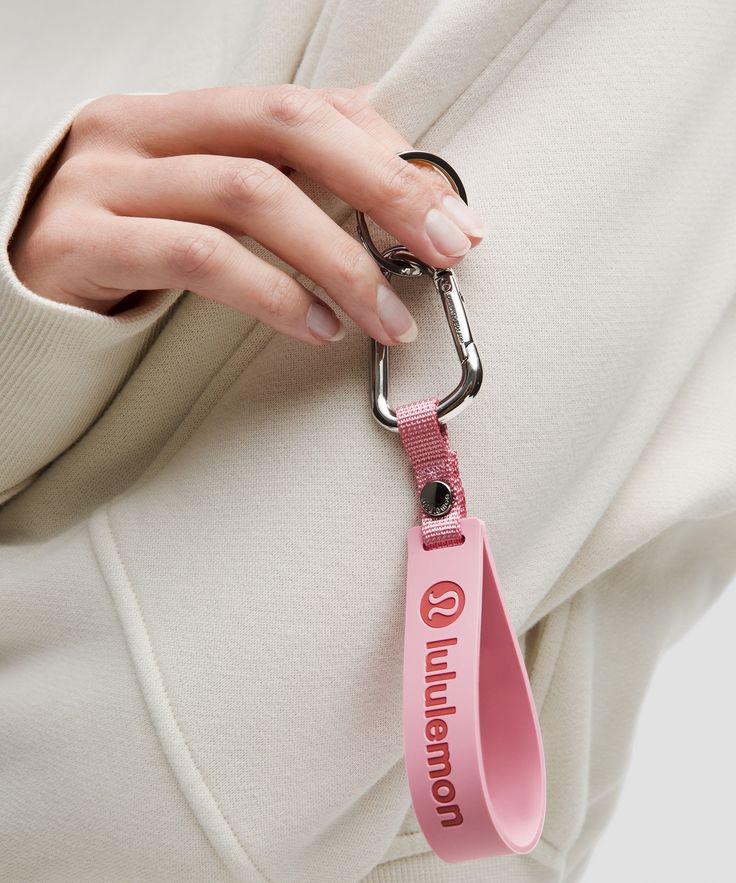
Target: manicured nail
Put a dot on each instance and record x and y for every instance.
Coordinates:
(397, 321)
(466, 219)
(445, 235)
(323, 323)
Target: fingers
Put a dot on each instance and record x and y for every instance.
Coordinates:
(247, 196)
(354, 104)
(296, 127)
(419, 209)
(129, 253)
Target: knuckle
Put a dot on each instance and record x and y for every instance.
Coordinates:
(281, 297)
(348, 102)
(80, 169)
(111, 121)
(293, 105)
(77, 166)
(349, 264)
(247, 182)
(398, 181)
(195, 255)
(55, 239)
(435, 180)
(101, 114)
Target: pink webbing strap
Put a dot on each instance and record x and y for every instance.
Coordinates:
(472, 743)
(432, 459)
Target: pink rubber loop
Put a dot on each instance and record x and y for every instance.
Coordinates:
(472, 742)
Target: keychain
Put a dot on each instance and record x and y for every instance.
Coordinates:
(472, 743)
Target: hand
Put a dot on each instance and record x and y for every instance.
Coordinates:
(149, 192)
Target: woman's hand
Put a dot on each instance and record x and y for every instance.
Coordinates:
(149, 192)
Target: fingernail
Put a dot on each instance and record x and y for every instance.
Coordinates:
(466, 219)
(323, 323)
(445, 235)
(397, 321)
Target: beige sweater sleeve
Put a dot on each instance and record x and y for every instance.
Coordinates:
(60, 365)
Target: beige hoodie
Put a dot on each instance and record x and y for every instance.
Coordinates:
(203, 531)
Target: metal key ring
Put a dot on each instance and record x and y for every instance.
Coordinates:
(406, 268)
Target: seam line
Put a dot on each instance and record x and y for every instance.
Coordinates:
(172, 741)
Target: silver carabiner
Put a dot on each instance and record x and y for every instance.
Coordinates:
(445, 282)
(404, 263)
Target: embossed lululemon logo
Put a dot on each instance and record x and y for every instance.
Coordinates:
(441, 604)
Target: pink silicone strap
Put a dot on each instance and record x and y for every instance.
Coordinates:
(472, 741)
(427, 444)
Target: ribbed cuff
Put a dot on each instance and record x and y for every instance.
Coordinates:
(51, 319)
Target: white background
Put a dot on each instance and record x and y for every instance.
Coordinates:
(675, 821)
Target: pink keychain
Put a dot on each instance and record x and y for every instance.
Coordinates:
(472, 743)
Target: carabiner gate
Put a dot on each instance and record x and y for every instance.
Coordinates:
(445, 282)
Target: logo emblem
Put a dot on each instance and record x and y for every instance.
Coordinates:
(441, 604)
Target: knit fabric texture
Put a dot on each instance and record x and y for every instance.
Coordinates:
(202, 529)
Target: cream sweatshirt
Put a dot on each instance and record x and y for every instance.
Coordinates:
(202, 533)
